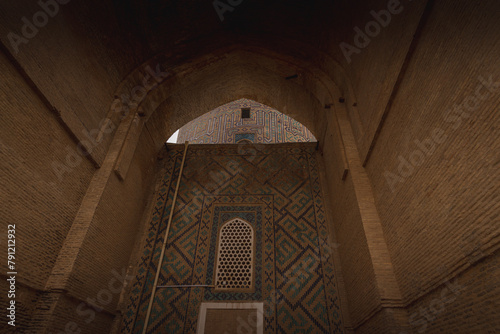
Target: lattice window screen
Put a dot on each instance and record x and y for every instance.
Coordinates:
(235, 256)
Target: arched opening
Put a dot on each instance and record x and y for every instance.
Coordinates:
(258, 180)
(244, 120)
(218, 79)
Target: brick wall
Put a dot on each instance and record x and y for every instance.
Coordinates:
(466, 303)
(439, 216)
(41, 204)
(106, 250)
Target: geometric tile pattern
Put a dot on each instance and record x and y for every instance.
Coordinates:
(224, 125)
(235, 256)
(276, 189)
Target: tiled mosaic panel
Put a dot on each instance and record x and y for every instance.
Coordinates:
(224, 125)
(274, 188)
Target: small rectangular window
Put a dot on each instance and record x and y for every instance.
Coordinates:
(245, 112)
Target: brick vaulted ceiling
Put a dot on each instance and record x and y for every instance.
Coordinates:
(111, 40)
(163, 24)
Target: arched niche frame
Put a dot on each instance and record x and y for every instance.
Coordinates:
(190, 90)
(287, 81)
